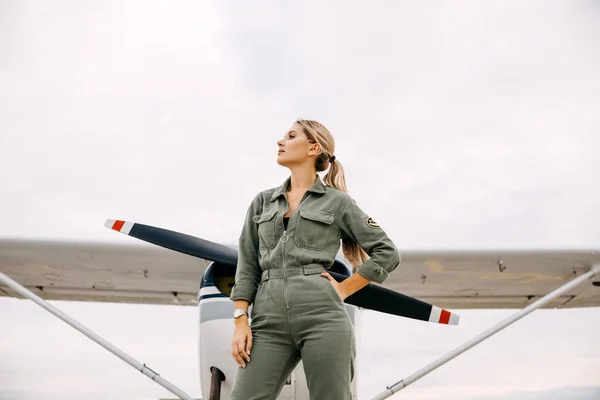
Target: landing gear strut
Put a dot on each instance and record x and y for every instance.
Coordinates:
(216, 377)
(390, 390)
(26, 293)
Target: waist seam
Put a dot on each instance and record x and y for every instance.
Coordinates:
(295, 270)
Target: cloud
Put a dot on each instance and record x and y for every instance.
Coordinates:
(473, 118)
(467, 126)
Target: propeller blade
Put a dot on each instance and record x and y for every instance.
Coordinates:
(176, 241)
(372, 297)
(379, 298)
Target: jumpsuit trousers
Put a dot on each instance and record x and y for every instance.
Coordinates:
(297, 314)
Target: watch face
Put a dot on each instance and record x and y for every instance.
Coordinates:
(239, 313)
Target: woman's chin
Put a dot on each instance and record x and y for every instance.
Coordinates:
(281, 161)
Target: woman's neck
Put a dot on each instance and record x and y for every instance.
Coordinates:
(302, 179)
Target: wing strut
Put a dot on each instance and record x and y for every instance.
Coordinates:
(108, 346)
(390, 390)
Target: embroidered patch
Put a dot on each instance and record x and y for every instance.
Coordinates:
(372, 223)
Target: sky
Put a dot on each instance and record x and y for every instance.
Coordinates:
(460, 125)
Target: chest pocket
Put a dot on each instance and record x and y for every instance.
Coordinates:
(313, 229)
(266, 229)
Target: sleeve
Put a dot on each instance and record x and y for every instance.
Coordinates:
(248, 271)
(359, 227)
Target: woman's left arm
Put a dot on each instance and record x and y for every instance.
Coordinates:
(357, 226)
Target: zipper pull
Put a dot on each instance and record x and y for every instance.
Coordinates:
(284, 238)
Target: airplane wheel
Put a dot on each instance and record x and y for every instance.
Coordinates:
(216, 377)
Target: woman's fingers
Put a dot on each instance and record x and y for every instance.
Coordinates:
(239, 353)
(242, 352)
(334, 283)
(249, 345)
(241, 346)
(326, 275)
(235, 352)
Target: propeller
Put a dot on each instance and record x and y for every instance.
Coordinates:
(372, 296)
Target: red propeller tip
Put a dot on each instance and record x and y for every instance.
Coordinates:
(119, 225)
(441, 316)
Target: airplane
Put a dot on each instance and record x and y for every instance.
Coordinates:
(168, 267)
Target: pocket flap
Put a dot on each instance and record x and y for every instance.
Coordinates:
(325, 217)
(264, 217)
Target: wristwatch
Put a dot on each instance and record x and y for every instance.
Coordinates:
(238, 313)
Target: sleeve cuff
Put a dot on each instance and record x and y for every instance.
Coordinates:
(373, 272)
(243, 292)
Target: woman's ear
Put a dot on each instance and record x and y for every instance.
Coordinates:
(314, 150)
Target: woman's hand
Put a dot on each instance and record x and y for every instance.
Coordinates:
(349, 286)
(242, 341)
(339, 288)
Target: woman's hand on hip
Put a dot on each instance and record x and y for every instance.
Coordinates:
(339, 288)
(242, 341)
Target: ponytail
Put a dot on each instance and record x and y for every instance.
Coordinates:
(334, 178)
(352, 251)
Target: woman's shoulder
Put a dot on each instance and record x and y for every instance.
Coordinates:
(265, 195)
(337, 194)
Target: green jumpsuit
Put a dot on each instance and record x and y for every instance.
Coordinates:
(296, 313)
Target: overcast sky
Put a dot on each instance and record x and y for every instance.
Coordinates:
(460, 125)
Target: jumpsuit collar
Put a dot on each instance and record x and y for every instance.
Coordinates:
(317, 187)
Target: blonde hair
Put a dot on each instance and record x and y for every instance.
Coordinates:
(317, 133)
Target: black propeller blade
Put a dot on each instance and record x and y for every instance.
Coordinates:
(176, 241)
(372, 296)
(384, 300)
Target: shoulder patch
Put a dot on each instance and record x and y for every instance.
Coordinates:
(372, 223)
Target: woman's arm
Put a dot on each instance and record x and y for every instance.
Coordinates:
(248, 271)
(247, 279)
(349, 286)
(384, 257)
(241, 343)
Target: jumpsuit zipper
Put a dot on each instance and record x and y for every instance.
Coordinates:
(283, 241)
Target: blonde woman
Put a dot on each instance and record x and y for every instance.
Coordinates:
(290, 238)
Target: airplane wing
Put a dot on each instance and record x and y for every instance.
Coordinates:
(495, 278)
(143, 273)
(101, 272)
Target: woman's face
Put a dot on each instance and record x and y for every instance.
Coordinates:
(295, 148)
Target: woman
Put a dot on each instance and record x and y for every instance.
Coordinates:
(290, 236)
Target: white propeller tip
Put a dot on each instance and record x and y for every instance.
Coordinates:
(454, 318)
